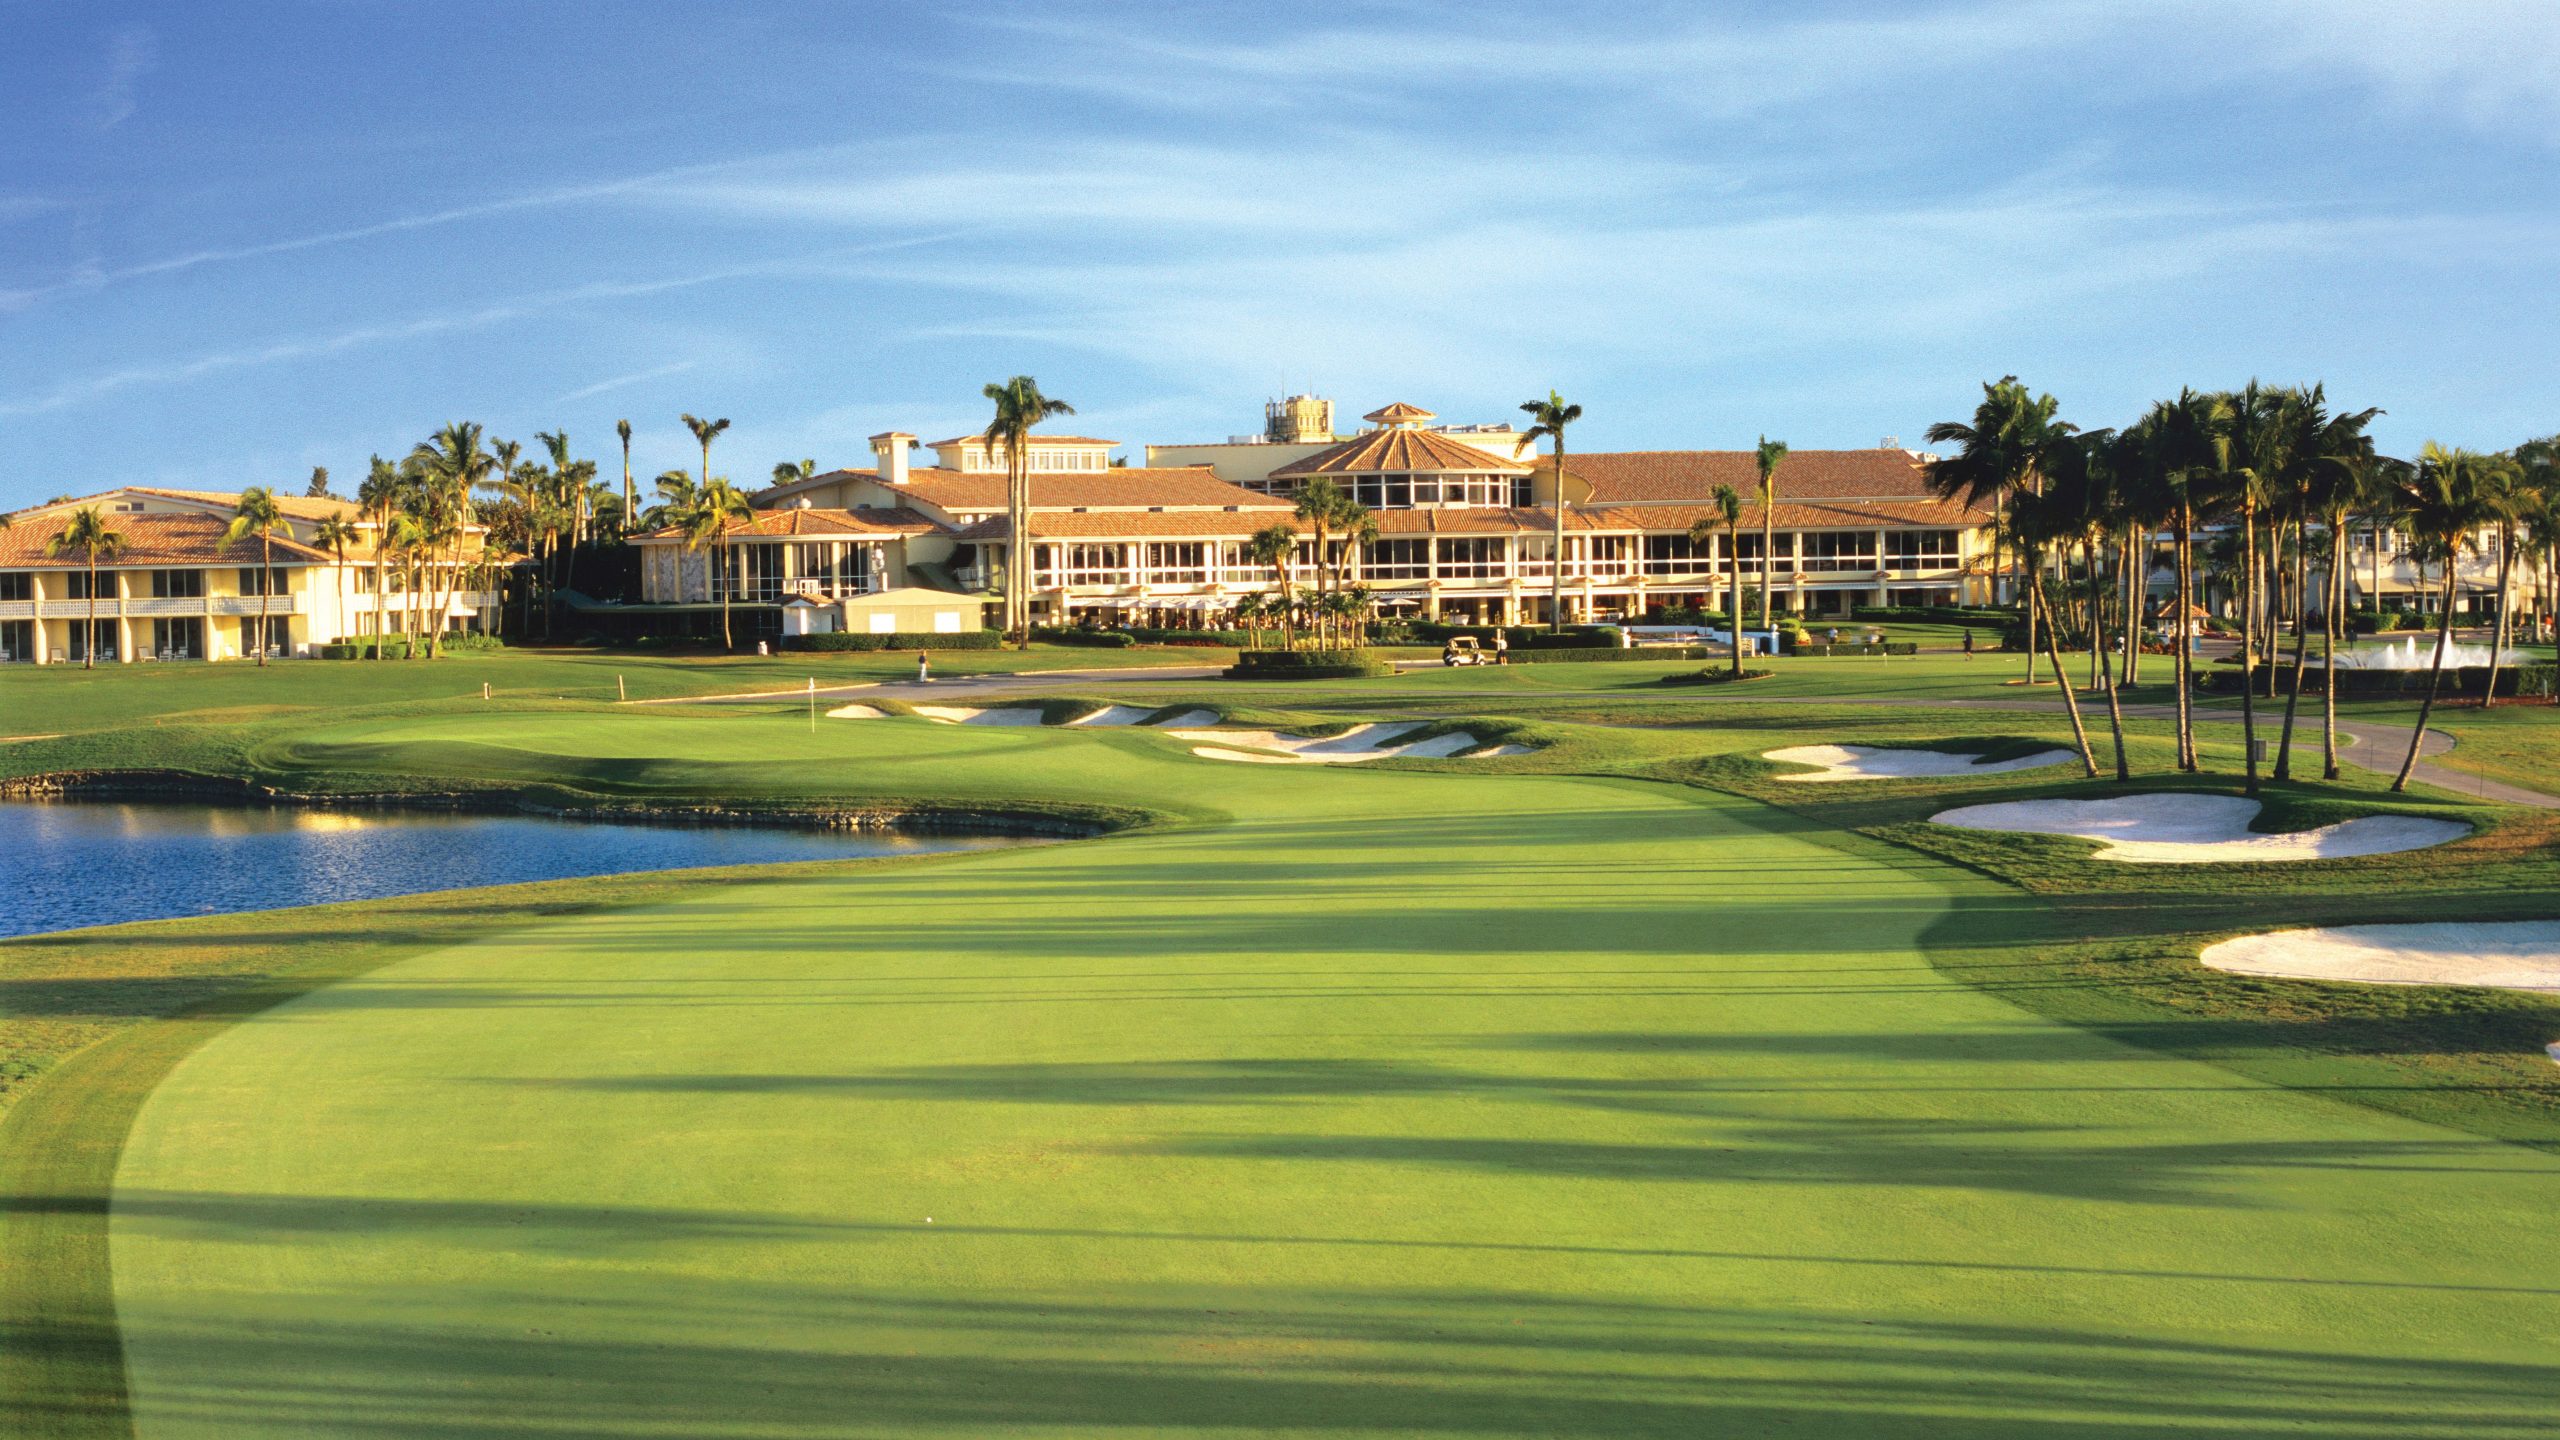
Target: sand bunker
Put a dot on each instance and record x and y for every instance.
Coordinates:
(2504, 955)
(967, 715)
(2185, 829)
(2509, 955)
(1352, 746)
(856, 712)
(1869, 762)
(1114, 715)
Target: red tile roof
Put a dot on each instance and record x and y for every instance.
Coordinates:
(1129, 525)
(163, 539)
(1401, 452)
(815, 523)
(1131, 488)
(1644, 477)
(1036, 439)
(298, 507)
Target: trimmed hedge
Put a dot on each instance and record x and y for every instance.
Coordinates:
(897, 640)
(1935, 614)
(1308, 665)
(1889, 647)
(1595, 655)
(1522, 637)
(363, 649)
(1096, 639)
(2460, 681)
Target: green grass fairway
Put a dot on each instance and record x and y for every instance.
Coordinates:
(1357, 1102)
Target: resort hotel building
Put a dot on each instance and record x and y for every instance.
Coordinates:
(1464, 531)
(172, 589)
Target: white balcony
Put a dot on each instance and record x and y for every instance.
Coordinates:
(248, 605)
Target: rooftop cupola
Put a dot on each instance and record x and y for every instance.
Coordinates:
(892, 446)
(1400, 416)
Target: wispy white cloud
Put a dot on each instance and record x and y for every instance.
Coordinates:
(132, 52)
(636, 377)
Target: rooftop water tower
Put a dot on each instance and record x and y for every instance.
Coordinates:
(1298, 420)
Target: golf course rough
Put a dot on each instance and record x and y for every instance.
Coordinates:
(1396, 1103)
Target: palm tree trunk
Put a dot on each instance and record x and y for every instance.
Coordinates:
(2498, 633)
(2435, 678)
(1733, 559)
(1555, 603)
(2115, 715)
(89, 641)
(2137, 588)
(266, 589)
(2293, 697)
(1768, 551)
(2062, 682)
(2181, 564)
(2329, 641)
(2249, 644)
(381, 601)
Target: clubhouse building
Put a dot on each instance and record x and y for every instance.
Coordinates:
(1464, 529)
(173, 590)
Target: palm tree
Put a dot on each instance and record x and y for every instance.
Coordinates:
(1767, 457)
(716, 506)
(704, 432)
(2256, 450)
(1727, 503)
(334, 534)
(88, 532)
(2324, 459)
(2082, 505)
(787, 473)
(2038, 521)
(630, 502)
(1548, 419)
(378, 500)
(1321, 504)
(571, 480)
(1276, 546)
(2448, 499)
(2002, 453)
(257, 514)
(449, 465)
(1248, 615)
(2343, 486)
(1019, 407)
(2511, 494)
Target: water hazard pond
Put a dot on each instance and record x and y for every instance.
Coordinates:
(76, 863)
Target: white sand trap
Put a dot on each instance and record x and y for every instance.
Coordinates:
(2509, 955)
(1359, 743)
(1114, 715)
(1871, 762)
(856, 712)
(967, 715)
(2184, 829)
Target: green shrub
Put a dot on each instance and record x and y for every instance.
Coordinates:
(2461, 680)
(1889, 647)
(1070, 635)
(1308, 665)
(1595, 655)
(1716, 675)
(1936, 614)
(362, 647)
(897, 640)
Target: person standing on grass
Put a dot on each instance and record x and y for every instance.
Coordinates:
(1968, 644)
(1501, 648)
(924, 667)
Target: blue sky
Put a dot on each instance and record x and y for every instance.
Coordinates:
(240, 240)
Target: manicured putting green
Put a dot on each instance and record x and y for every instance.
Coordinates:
(1401, 1103)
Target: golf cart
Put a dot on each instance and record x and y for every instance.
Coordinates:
(1464, 650)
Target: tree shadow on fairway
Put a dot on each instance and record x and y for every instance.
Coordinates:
(1920, 1154)
(811, 1360)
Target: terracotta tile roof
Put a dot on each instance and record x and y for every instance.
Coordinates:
(1401, 451)
(1128, 525)
(815, 523)
(149, 540)
(1134, 488)
(1644, 477)
(298, 507)
(1669, 518)
(1399, 413)
(1036, 439)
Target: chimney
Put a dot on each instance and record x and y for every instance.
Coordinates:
(891, 447)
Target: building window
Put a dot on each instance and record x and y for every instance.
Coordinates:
(1469, 558)
(83, 639)
(1397, 560)
(179, 639)
(262, 582)
(278, 630)
(81, 580)
(1920, 549)
(17, 585)
(177, 584)
(17, 640)
(1834, 551)
(1178, 563)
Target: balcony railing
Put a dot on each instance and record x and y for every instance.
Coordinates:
(248, 605)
